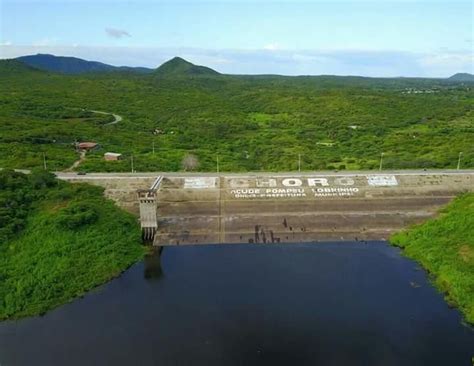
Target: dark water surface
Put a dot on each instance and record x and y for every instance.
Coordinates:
(303, 304)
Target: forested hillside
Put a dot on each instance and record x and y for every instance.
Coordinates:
(73, 65)
(250, 122)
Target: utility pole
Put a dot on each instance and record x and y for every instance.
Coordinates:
(133, 170)
(459, 160)
(44, 161)
(153, 144)
(299, 162)
(381, 161)
(217, 163)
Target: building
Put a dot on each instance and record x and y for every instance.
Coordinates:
(110, 156)
(86, 146)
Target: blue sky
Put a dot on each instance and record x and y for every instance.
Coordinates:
(374, 38)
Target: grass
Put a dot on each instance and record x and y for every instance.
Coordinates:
(73, 240)
(445, 248)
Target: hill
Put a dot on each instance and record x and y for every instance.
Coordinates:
(251, 123)
(180, 67)
(73, 65)
(12, 66)
(462, 76)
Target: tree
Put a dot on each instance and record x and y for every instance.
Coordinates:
(42, 179)
(190, 162)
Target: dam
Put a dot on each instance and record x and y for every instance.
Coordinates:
(265, 208)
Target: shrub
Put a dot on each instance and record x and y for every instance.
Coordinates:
(78, 214)
(42, 179)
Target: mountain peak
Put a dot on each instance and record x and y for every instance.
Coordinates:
(462, 76)
(178, 66)
(178, 59)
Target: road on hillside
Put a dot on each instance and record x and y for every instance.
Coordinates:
(82, 156)
(117, 117)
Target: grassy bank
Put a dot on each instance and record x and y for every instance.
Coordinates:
(445, 247)
(57, 241)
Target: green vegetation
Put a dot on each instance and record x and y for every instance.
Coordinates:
(57, 241)
(462, 76)
(73, 65)
(178, 67)
(251, 122)
(445, 247)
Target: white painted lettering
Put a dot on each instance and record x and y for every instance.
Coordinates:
(270, 182)
(292, 182)
(312, 182)
(239, 183)
(344, 181)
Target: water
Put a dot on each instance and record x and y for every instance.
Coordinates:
(305, 304)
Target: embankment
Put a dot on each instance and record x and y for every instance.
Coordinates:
(444, 246)
(58, 240)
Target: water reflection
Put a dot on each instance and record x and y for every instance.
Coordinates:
(152, 264)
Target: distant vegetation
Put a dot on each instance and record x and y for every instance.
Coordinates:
(58, 240)
(462, 76)
(179, 67)
(250, 123)
(445, 247)
(73, 65)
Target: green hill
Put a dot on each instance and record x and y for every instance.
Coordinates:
(180, 67)
(251, 123)
(12, 66)
(73, 65)
(462, 76)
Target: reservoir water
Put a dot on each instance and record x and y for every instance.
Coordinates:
(299, 304)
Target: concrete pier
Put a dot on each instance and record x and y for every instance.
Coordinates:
(147, 202)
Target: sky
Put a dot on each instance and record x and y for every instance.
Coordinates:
(370, 38)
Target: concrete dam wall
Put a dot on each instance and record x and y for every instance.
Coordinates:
(276, 208)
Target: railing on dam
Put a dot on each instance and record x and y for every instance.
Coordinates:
(147, 199)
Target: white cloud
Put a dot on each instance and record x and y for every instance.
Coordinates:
(449, 63)
(6, 43)
(298, 57)
(117, 33)
(44, 42)
(272, 47)
(206, 59)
